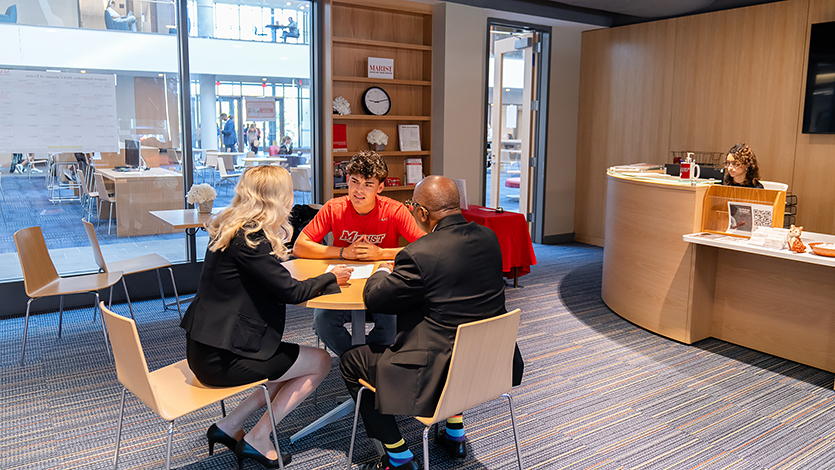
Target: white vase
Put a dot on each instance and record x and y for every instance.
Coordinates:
(377, 147)
(205, 207)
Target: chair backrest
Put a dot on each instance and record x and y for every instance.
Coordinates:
(35, 262)
(131, 367)
(301, 179)
(101, 188)
(221, 167)
(211, 159)
(774, 185)
(481, 367)
(83, 182)
(94, 242)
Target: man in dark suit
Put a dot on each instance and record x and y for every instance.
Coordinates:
(451, 276)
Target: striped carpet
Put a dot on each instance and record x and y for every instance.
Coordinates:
(598, 393)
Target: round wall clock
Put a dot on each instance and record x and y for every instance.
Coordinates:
(376, 101)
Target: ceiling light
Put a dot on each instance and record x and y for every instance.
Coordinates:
(83, 71)
(160, 75)
(301, 7)
(507, 89)
(263, 79)
(289, 3)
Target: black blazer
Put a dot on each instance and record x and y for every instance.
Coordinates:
(445, 278)
(240, 302)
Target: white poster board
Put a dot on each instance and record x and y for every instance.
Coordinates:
(57, 112)
(260, 108)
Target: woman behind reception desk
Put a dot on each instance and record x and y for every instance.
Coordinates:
(236, 321)
(741, 168)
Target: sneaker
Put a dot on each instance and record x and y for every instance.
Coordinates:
(35, 170)
(456, 449)
(19, 168)
(384, 464)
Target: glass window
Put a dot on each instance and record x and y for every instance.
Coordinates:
(47, 177)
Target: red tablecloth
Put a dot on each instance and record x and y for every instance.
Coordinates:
(511, 228)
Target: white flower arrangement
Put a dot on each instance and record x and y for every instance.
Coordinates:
(201, 193)
(377, 137)
(341, 106)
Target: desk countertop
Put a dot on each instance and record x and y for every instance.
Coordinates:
(150, 173)
(741, 244)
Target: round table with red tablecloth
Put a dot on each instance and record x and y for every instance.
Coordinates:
(511, 229)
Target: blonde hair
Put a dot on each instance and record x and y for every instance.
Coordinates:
(263, 200)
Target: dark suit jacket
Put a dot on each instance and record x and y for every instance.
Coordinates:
(240, 302)
(448, 277)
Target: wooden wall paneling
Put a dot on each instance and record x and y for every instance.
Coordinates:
(624, 113)
(380, 23)
(814, 162)
(736, 80)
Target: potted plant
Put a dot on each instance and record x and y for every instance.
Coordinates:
(203, 195)
(377, 140)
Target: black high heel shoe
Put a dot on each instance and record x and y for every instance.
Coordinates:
(245, 451)
(214, 434)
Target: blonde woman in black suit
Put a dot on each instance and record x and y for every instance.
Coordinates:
(235, 323)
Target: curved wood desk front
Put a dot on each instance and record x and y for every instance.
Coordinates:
(646, 264)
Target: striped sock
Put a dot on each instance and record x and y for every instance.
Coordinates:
(455, 428)
(399, 453)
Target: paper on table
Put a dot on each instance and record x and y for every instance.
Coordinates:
(361, 271)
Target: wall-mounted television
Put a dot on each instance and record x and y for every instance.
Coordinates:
(132, 153)
(819, 106)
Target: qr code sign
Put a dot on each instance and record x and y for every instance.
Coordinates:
(762, 218)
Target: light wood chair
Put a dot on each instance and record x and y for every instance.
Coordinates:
(224, 176)
(40, 279)
(480, 370)
(301, 180)
(171, 392)
(139, 264)
(104, 196)
(87, 197)
(210, 164)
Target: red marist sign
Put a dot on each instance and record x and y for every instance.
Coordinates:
(380, 68)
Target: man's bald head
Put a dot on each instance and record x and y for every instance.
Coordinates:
(438, 194)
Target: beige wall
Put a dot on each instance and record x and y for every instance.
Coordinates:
(703, 83)
(459, 80)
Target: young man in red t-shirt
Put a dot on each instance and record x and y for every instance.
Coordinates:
(367, 227)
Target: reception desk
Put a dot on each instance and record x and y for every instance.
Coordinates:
(646, 264)
(662, 273)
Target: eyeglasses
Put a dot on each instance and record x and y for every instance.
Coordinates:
(734, 164)
(412, 205)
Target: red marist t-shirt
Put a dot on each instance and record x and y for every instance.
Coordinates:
(382, 226)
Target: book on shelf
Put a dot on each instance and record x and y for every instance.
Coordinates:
(414, 170)
(379, 67)
(409, 137)
(340, 177)
(340, 138)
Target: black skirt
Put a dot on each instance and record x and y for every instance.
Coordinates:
(221, 368)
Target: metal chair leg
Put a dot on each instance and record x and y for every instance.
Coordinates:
(168, 447)
(222, 408)
(25, 331)
(272, 420)
(176, 295)
(103, 329)
(60, 314)
(354, 428)
(127, 296)
(161, 293)
(110, 219)
(515, 432)
(426, 448)
(119, 428)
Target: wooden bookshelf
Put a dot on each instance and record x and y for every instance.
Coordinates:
(398, 30)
